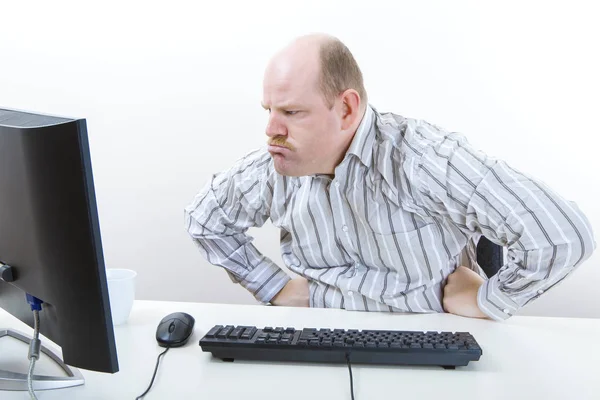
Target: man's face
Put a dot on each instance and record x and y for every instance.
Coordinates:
(304, 133)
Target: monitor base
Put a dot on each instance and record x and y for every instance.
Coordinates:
(18, 381)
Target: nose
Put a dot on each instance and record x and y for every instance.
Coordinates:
(275, 127)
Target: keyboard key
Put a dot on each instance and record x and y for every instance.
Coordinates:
(213, 331)
(248, 333)
(224, 332)
(308, 333)
(236, 333)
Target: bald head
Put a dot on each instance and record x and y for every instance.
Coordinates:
(318, 61)
(311, 90)
(302, 45)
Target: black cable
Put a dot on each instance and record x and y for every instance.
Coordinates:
(153, 375)
(351, 380)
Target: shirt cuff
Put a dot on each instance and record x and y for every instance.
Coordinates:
(493, 302)
(265, 281)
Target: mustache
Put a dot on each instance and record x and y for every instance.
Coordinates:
(279, 141)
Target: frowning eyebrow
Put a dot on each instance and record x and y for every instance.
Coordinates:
(289, 106)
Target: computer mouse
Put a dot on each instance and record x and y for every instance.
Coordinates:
(174, 330)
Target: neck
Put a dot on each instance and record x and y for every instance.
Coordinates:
(346, 144)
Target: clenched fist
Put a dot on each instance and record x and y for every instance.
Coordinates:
(460, 293)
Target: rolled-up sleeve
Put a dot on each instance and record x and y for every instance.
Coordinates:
(547, 236)
(221, 213)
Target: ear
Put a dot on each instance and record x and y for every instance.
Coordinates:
(350, 108)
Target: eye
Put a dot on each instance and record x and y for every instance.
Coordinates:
(291, 112)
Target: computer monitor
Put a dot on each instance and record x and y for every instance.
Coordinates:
(50, 245)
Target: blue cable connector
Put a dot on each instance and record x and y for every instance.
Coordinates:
(34, 302)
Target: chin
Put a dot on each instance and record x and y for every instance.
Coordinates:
(287, 170)
(286, 167)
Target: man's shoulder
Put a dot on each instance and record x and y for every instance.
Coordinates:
(410, 137)
(255, 155)
(256, 160)
(400, 134)
(254, 166)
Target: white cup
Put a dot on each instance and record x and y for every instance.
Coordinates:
(121, 292)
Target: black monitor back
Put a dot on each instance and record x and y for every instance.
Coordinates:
(50, 236)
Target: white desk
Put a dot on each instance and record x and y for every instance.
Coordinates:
(523, 358)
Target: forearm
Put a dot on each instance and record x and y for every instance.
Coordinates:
(547, 237)
(218, 219)
(245, 265)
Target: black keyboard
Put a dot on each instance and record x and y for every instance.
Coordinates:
(446, 349)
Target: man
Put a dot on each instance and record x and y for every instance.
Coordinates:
(378, 212)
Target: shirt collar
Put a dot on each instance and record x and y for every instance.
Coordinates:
(362, 143)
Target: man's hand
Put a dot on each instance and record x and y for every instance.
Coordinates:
(460, 293)
(294, 294)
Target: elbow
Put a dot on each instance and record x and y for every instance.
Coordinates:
(586, 230)
(582, 239)
(187, 221)
(590, 246)
(191, 225)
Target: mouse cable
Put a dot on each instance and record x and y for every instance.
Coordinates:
(153, 375)
(351, 380)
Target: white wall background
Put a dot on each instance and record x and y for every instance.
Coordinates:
(171, 92)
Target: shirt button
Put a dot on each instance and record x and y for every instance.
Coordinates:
(345, 228)
(540, 291)
(349, 292)
(337, 184)
(506, 311)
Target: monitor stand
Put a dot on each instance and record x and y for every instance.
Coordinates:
(18, 381)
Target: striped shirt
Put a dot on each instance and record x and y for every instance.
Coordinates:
(405, 207)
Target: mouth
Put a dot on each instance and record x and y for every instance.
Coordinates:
(277, 149)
